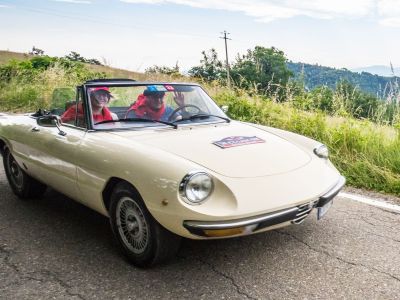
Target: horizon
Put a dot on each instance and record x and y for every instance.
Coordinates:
(355, 70)
(137, 34)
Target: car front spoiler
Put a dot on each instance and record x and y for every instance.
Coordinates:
(245, 226)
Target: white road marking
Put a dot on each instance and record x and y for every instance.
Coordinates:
(375, 202)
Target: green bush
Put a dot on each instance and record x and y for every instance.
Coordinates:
(29, 85)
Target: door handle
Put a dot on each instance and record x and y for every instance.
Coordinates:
(35, 129)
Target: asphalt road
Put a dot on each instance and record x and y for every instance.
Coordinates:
(54, 248)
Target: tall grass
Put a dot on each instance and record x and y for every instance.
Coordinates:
(29, 90)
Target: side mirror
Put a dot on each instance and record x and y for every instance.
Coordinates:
(51, 121)
(225, 108)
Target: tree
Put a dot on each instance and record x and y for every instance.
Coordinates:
(36, 51)
(74, 56)
(174, 71)
(323, 98)
(357, 103)
(94, 61)
(211, 67)
(263, 68)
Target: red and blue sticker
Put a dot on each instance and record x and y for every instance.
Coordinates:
(169, 88)
(234, 141)
(160, 88)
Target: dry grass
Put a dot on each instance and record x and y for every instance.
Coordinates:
(6, 56)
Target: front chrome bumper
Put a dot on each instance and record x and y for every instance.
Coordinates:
(244, 226)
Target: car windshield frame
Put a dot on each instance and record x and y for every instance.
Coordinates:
(91, 126)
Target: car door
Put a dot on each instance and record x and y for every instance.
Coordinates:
(55, 151)
(56, 157)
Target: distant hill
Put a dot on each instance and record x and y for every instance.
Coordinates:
(6, 56)
(316, 75)
(379, 70)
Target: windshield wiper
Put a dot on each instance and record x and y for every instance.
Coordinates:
(138, 120)
(202, 116)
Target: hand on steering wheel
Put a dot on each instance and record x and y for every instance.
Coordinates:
(173, 116)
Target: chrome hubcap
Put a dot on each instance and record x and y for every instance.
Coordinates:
(15, 171)
(132, 225)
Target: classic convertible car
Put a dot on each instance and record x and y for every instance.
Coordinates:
(163, 161)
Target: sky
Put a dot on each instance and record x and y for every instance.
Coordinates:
(137, 34)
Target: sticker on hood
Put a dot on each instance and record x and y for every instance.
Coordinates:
(234, 141)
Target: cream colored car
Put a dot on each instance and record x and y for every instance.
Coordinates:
(163, 161)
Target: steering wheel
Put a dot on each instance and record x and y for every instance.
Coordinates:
(172, 116)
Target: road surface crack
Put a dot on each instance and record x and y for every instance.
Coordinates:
(54, 277)
(366, 219)
(7, 257)
(391, 222)
(33, 275)
(389, 211)
(384, 237)
(229, 278)
(336, 257)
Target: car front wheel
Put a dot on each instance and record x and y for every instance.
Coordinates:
(23, 185)
(142, 239)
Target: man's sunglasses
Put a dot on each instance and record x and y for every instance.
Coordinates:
(156, 96)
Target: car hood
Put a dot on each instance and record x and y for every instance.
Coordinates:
(255, 152)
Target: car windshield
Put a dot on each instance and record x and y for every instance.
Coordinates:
(151, 105)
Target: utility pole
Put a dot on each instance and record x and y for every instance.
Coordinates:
(226, 52)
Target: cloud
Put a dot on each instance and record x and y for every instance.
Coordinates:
(269, 10)
(75, 1)
(389, 7)
(390, 22)
(387, 11)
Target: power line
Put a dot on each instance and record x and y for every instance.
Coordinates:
(226, 53)
(96, 20)
(88, 18)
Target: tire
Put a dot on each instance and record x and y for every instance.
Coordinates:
(140, 237)
(23, 185)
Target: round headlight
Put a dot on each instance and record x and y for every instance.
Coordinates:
(196, 187)
(322, 151)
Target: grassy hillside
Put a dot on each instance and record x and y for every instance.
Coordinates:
(6, 56)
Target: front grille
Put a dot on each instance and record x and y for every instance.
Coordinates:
(304, 211)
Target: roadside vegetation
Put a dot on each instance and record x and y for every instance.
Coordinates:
(360, 129)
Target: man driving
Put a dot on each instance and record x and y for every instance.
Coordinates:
(151, 104)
